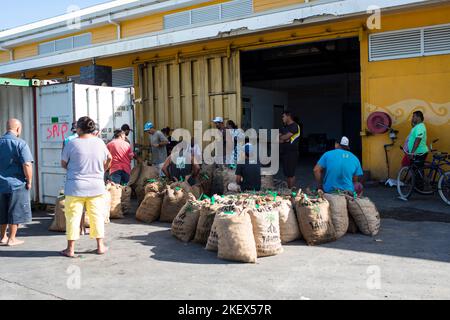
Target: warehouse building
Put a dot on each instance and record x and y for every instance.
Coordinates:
(332, 62)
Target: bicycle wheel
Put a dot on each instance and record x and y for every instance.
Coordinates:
(405, 182)
(444, 187)
(424, 181)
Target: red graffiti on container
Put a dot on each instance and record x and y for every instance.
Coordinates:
(57, 131)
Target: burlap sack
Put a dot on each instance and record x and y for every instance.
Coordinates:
(126, 199)
(366, 215)
(206, 178)
(266, 230)
(175, 197)
(236, 240)
(223, 176)
(352, 227)
(185, 223)
(205, 222)
(147, 173)
(339, 213)
(150, 209)
(59, 221)
(197, 190)
(116, 202)
(314, 219)
(213, 239)
(134, 176)
(289, 226)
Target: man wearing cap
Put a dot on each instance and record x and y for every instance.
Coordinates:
(127, 130)
(220, 125)
(248, 174)
(338, 170)
(158, 143)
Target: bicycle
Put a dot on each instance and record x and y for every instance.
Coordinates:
(426, 178)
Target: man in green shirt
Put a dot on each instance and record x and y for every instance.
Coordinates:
(417, 144)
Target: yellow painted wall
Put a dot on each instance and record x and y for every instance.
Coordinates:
(400, 87)
(25, 51)
(4, 56)
(143, 25)
(264, 5)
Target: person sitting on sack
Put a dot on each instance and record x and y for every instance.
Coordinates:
(339, 170)
(182, 165)
(248, 174)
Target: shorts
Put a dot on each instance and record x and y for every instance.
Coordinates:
(289, 162)
(15, 207)
(120, 177)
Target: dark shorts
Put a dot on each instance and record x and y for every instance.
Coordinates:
(289, 161)
(120, 177)
(15, 207)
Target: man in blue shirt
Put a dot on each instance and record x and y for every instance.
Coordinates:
(338, 170)
(16, 174)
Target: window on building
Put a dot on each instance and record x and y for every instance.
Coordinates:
(229, 10)
(64, 44)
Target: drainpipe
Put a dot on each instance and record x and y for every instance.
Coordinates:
(119, 28)
(11, 52)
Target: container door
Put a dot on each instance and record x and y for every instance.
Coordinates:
(55, 105)
(109, 107)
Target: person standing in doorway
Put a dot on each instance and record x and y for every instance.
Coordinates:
(289, 145)
(16, 174)
(121, 153)
(158, 143)
(220, 125)
(85, 160)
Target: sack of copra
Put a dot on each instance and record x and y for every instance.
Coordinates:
(365, 214)
(59, 221)
(339, 213)
(206, 178)
(126, 199)
(213, 239)
(289, 226)
(206, 219)
(352, 227)
(266, 230)
(185, 223)
(267, 182)
(236, 240)
(134, 176)
(313, 213)
(116, 202)
(150, 209)
(175, 197)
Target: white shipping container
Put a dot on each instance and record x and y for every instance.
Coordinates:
(58, 106)
(17, 102)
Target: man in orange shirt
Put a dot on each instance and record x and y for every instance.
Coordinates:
(121, 158)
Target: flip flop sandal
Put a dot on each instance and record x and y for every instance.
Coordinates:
(102, 254)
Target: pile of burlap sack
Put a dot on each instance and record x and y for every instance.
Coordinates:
(244, 227)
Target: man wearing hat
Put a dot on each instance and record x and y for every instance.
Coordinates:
(220, 125)
(127, 130)
(339, 170)
(158, 143)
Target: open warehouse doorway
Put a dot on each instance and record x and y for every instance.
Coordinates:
(319, 82)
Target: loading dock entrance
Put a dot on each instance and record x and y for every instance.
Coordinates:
(320, 82)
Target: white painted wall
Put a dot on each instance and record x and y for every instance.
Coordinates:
(263, 101)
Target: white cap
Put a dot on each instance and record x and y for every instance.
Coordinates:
(345, 142)
(218, 120)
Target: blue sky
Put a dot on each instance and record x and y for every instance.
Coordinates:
(14, 13)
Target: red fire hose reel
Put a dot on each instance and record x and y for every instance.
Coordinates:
(379, 123)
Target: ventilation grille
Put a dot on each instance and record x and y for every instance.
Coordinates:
(123, 78)
(409, 43)
(228, 10)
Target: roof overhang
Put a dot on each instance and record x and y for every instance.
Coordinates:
(296, 16)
